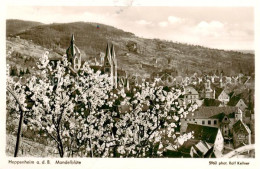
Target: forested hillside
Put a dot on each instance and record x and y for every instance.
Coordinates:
(135, 54)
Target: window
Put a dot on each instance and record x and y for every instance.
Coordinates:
(76, 60)
(215, 122)
(209, 122)
(203, 122)
(107, 70)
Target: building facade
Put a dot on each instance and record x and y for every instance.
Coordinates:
(241, 134)
(220, 117)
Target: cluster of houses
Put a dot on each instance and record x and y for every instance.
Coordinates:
(222, 122)
(220, 119)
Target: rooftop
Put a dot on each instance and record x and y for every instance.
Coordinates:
(241, 127)
(210, 112)
(204, 133)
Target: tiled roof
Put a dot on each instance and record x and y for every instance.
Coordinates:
(233, 101)
(210, 112)
(211, 102)
(190, 90)
(204, 133)
(240, 127)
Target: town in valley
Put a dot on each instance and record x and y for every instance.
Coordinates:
(109, 93)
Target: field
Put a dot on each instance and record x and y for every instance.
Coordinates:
(29, 148)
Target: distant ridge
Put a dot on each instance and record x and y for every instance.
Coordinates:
(14, 26)
(134, 54)
(246, 51)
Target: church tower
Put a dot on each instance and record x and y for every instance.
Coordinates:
(114, 64)
(108, 64)
(73, 55)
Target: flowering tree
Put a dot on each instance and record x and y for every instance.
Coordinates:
(79, 112)
(150, 124)
(63, 102)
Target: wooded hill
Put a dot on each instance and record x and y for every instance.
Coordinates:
(134, 54)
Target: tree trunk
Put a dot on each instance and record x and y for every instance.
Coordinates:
(20, 123)
(60, 145)
(18, 134)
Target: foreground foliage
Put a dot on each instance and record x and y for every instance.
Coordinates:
(82, 113)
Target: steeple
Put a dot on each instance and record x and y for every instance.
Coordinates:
(73, 55)
(113, 55)
(72, 39)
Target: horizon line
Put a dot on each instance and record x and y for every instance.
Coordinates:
(183, 42)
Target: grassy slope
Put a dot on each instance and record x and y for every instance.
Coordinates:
(29, 148)
(14, 26)
(187, 59)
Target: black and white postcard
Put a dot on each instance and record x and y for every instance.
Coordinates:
(129, 84)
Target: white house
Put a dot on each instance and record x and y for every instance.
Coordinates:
(220, 117)
(211, 135)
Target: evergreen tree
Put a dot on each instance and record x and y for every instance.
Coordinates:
(21, 72)
(27, 71)
(13, 71)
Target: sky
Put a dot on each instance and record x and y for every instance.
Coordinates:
(230, 28)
